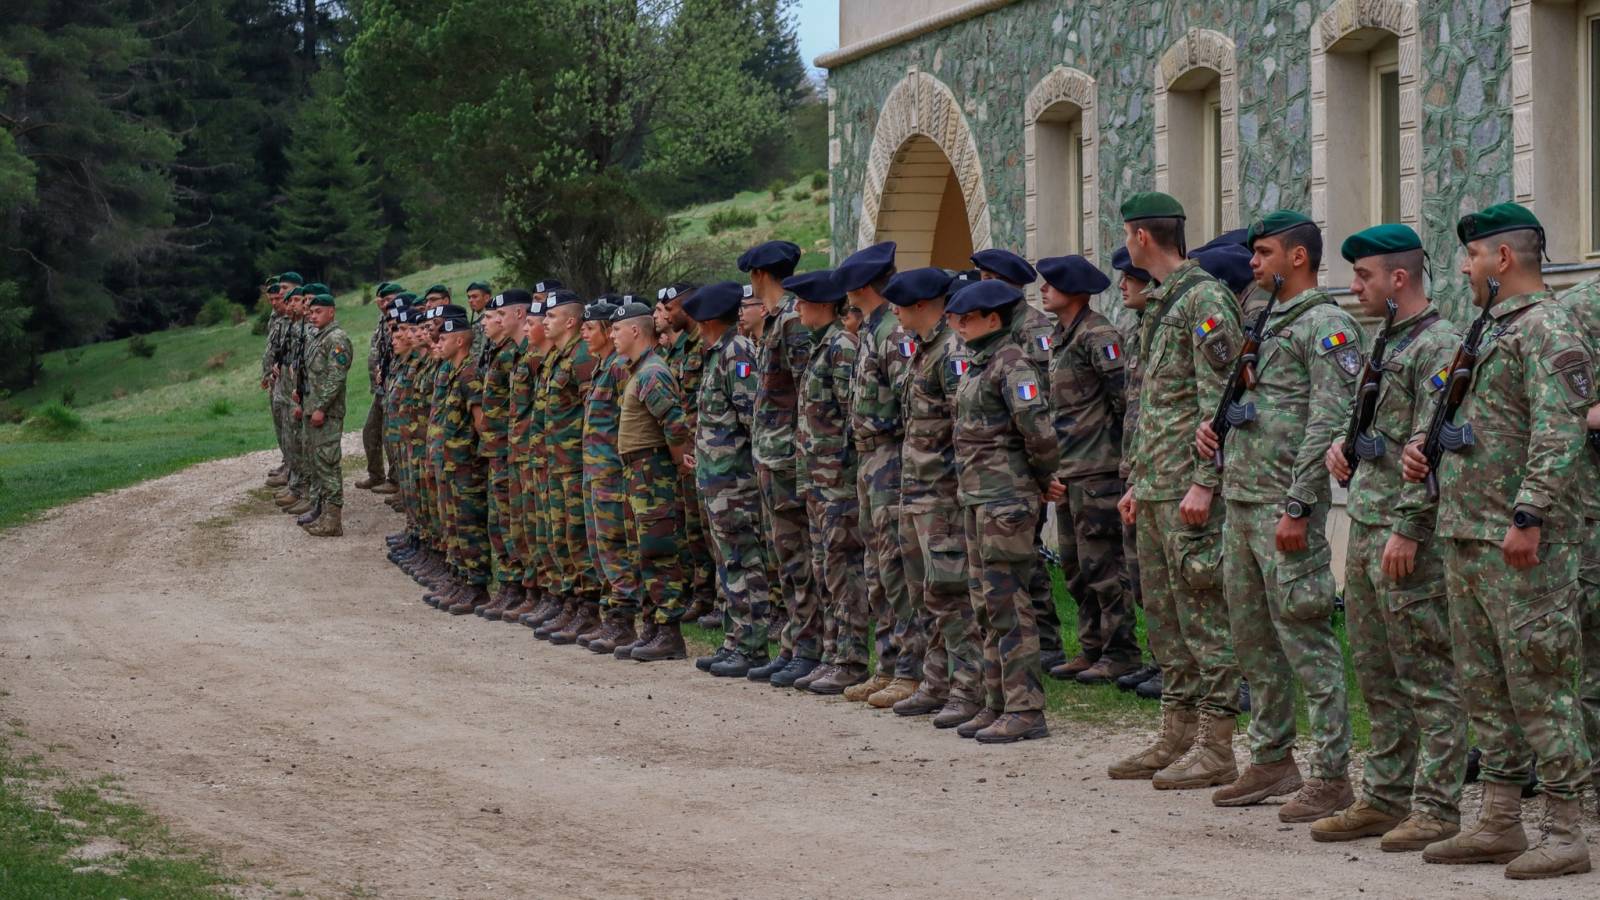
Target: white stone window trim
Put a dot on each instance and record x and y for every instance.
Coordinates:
(1063, 84)
(1543, 123)
(1201, 48)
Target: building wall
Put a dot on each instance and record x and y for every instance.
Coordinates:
(992, 61)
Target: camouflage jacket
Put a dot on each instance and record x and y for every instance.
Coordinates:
(495, 399)
(300, 332)
(883, 364)
(1086, 395)
(1004, 440)
(1379, 494)
(328, 359)
(783, 354)
(1530, 391)
(380, 356)
(437, 407)
(393, 398)
(686, 362)
(1583, 301)
(651, 413)
(519, 389)
(825, 454)
(1305, 383)
(538, 436)
(566, 389)
(480, 338)
(1133, 378)
(928, 454)
(602, 467)
(1035, 330)
(458, 432)
(413, 401)
(276, 329)
(1188, 339)
(723, 461)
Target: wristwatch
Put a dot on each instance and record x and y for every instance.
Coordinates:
(1294, 509)
(1525, 520)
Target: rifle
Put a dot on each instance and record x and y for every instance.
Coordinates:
(1358, 444)
(1443, 434)
(1230, 412)
(300, 363)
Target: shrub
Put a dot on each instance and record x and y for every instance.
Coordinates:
(218, 361)
(69, 396)
(119, 392)
(819, 180)
(263, 316)
(776, 189)
(727, 219)
(139, 345)
(799, 195)
(53, 422)
(775, 216)
(220, 407)
(821, 199)
(219, 311)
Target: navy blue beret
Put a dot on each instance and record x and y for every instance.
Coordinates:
(1005, 264)
(777, 257)
(966, 277)
(983, 297)
(600, 309)
(917, 285)
(815, 287)
(547, 285)
(1123, 262)
(1073, 275)
(1228, 263)
(863, 266)
(1236, 236)
(714, 301)
(454, 318)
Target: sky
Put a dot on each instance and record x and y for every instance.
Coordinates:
(817, 23)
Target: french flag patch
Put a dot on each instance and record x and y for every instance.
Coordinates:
(908, 348)
(1044, 342)
(1027, 390)
(741, 370)
(1112, 351)
(959, 367)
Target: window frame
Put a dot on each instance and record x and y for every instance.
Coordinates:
(1383, 61)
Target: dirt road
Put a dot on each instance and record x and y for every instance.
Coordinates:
(292, 704)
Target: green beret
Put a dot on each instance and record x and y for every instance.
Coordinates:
(1151, 205)
(480, 286)
(293, 292)
(292, 278)
(405, 297)
(317, 287)
(1497, 219)
(1275, 223)
(321, 299)
(1380, 240)
(387, 288)
(437, 289)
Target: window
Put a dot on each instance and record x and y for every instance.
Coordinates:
(1554, 124)
(1386, 136)
(1194, 156)
(1214, 154)
(1058, 161)
(1591, 33)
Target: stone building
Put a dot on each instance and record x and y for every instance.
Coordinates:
(962, 124)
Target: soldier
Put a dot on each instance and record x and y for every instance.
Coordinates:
(558, 610)
(605, 491)
(432, 568)
(271, 358)
(1279, 587)
(327, 367)
(405, 545)
(1133, 283)
(782, 355)
(1394, 591)
(1036, 332)
(651, 439)
(684, 358)
(478, 296)
(380, 350)
(1188, 336)
(502, 327)
(570, 372)
(536, 607)
(725, 475)
(293, 338)
(463, 472)
(826, 462)
(1086, 396)
(1510, 516)
(1006, 458)
(307, 509)
(930, 529)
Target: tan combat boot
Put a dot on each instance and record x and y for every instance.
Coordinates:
(858, 693)
(1177, 735)
(330, 524)
(1258, 782)
(1496, 837)
(1318, 798)
(300, 507)
(1561, 849)
(277, 480)
(898, 689)
(387, 487)
(285, 498)
(1207, 763)
(1358, 820)
(1416, 832)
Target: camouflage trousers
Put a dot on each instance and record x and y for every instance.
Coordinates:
(463, 488)
(934, 546)
(1001, 557)
(372, 439)
(325, 479)
(569, 542)
(1130, 564)
(699, 566)
(281, 420)
(1089, 534)
(836, 567)
(541, 560)
(1185, 612)
(790, 545)
(411, 486)
(654, 525)
(1400, 648)
(1046, 616)
(900, 644)
(502, 550)
(1280, 612)
(1589, 682)
(605, 519)
(519, 532)
(734, 519)
(428, 496)
(1517, 658)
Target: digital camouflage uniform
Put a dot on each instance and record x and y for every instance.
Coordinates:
(605, 492)
(293, 378)
(725, 477)
(1087, 401)
(933, 542)
(686, 362)
(1583, 301)
(463, 473)
(883, 364)
(651, 419)
(827, 479)
(1516, 633)
(1188, 338)
(785, 349)
(496, 362)
(1035, 330)
(566, 390)
(280, 393)
(327, 361)
(1400, 631)
(380, 352)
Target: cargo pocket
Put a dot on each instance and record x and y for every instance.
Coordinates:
(1097, 509)
(947, 553)
(1422, 614)
(1547, 631)
(1199, 555)
(1306, 586)
(1005, 530)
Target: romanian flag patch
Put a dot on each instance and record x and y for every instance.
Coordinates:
(1337, 339)
(1439, 379)
(1027, 390)
(908, 348)
(1206, 327)
(1112, 352)
(959, 367)
(741, 369)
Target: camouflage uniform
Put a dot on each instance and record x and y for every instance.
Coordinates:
(293, 380)
(1133, 379)
(496, 363)
(1035, 330)
(566, 389)
(1188, 337)
(604, 490)
(827, 479)
(1086, 395)
(882, 368)
(380, 352)
(1515, 632)
(463, 474)
(422, 412)
(280, 395)
(933, 542)
(784, 352)
(394, 436)
(1583, 301)
(519, 468)
(650, 420)
(686, 362)
(542, 538)
(1280, 605)
(725, 476)
(439, 499)
(1400, 631)
(327, 362)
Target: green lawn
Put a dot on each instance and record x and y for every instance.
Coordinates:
(794, 216)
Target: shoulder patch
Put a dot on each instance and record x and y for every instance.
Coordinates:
(1027, 390)
(1043, 341)
(741, 369)
(1568, 358)
(1439, 379)
(1220, 350)
(1335, 340)
(1579, 383)
(1111, 351)
(959, 367)
(908, 347)
(1206, 327)
(1349, 359)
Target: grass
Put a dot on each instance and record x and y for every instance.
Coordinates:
(720, 231)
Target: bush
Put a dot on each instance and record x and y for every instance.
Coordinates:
(727, 219)
(776, 189)
(820, 199)
(219, 311)
(799, 195)
(263, 317)
(69, 396)
(775, 216)
(141, 346)
(819, 180)
(52, 422)
(220, 407)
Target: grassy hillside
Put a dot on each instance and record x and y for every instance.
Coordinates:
(716, 233)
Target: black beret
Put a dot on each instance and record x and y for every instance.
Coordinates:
(631, 310)
(454, 318)
(1073, 275)
(1228, 263)
(1122, 261)
(675, 290)
(777, 257)
(547, 285)
(1236, 236)
(561, 298)
(917, 285)
(862, 267)
(600, 309)
(510, 297)
(714, 301)
(815, 287)
(983, 296)
(1005, 264)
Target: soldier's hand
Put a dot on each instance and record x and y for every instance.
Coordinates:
(1196, 506)
(263, 384)
(1521, 547)
(297, 412)
(1055, 492)
(1592, 418)
(317, 418)
(1128, 508)
(1290, 534)
(1338, 466)
(688, 461)
(1399, 557)
(1413, 463)
(1205, 441)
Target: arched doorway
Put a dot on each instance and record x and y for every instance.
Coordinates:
(923, 210)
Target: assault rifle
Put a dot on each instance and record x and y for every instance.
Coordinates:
(1443, 434)
(1231, 413)
(1359, 444)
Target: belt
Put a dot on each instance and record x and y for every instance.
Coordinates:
(873, 442)
(634, 456)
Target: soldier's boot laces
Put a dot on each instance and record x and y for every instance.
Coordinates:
(533, 612)
(1416, 832)
(329, 524)
(1014, 726)
(469, 599)
(984, 718)
(822, 670)
(1178, 727)
(858, 693)
(1561, 849)
(1358, 820)
(1207, 761)
(621, 633)
(897, 690)
(1317, 799)
(667, 644)
(569, 609)
(1260, 781)
(1496, 837)
(920, 703)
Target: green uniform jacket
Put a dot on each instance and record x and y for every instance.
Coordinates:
(1087, 391)
(328, 358)
(1004, 440)
(827, 458)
